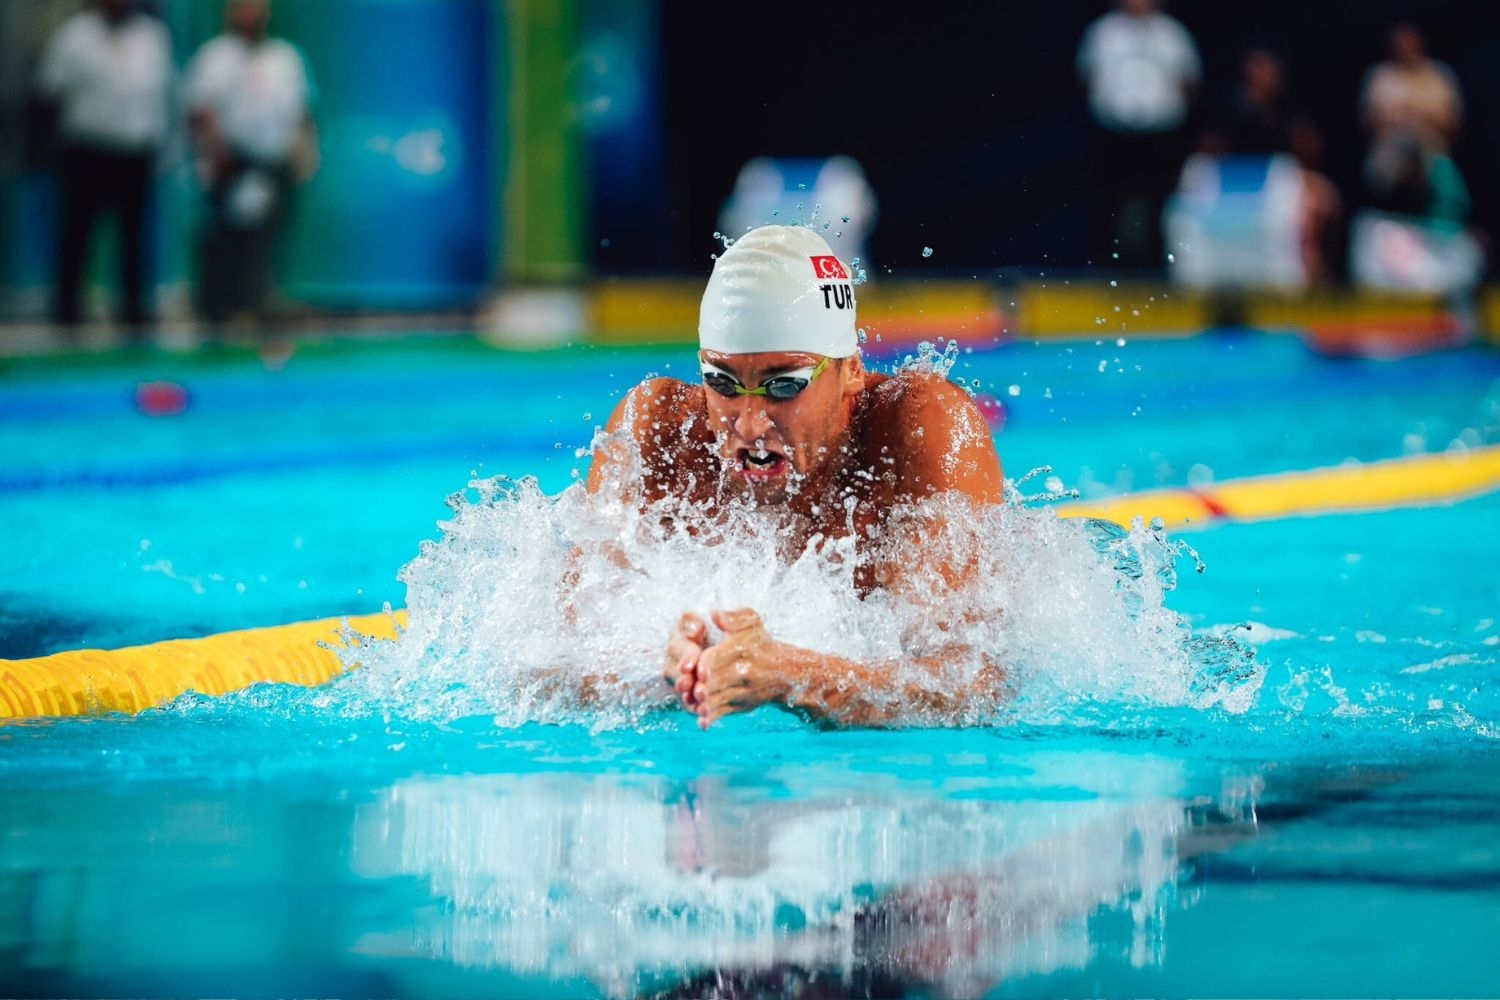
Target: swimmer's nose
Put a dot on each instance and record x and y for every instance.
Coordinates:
(752, 422)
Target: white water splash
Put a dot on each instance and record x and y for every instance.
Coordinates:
(526, 594)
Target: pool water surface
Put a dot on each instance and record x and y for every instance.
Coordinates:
(1337, 837)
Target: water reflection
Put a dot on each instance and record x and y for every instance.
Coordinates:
(707, 887)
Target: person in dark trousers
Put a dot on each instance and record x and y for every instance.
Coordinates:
(247, 97)
(1140, 68)
(104, 82)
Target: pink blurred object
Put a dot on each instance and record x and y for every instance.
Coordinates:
(161, 399)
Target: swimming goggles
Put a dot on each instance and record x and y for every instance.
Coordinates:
(779, 387)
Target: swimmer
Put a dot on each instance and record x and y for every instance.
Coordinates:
(788, 424)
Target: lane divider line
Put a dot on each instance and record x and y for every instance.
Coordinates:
(1416, 481)
(95, 681)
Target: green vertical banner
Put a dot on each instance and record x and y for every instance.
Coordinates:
(544, 236)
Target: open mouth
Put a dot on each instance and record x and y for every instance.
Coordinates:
(761, 464)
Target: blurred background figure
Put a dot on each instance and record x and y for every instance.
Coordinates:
(1323, 218)
(103, 84)
(831, 194)
(1411, 96)
(1141, 68)
(1414, 233)
(1418, 181)
(1253, 208)
(248, 100)
(1258, 118)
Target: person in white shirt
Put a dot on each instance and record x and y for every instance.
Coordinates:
(105, 77)
(1141, 68)
(248, 100)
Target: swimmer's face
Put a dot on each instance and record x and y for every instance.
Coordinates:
(773, 448)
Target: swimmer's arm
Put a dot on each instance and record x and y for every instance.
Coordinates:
(747, 668)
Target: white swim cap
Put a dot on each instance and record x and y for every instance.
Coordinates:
(779, 288)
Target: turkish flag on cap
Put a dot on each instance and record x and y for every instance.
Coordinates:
(828, 267)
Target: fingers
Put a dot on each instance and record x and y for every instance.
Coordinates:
(693, 628)
(687, 679)
(697, 690)
(687, 641)
(737, 620)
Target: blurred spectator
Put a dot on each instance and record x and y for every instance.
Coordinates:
(1322, 207)
(1414, 234)
(1141, 68)
(1411, 95)
(103, 80)
(1263, 120)
(1409, 178)
(1412, 109)
(1253, 209)
(1258, 118)
(248, 98)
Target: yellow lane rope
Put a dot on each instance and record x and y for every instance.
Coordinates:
(129, 680)
(1420, 480)
(90, 681)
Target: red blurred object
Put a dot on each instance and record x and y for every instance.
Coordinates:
(1388, 339)
(992, 408)
(161, 399)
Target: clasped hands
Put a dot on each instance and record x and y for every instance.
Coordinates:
(737, 673)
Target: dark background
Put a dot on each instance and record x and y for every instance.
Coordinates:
(969, 119)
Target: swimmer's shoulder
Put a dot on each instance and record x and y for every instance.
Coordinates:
(910, 395)
(936, 434)
(662, 402)
(663, 411)
(665, 422)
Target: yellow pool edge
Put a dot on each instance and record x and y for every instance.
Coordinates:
(94, 681)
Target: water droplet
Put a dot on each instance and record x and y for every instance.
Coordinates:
(1113, 283)
(1171, 258)
(927, 251)
(1120, 342)
(843, 218)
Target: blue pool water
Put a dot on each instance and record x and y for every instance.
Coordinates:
(1338, 836)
